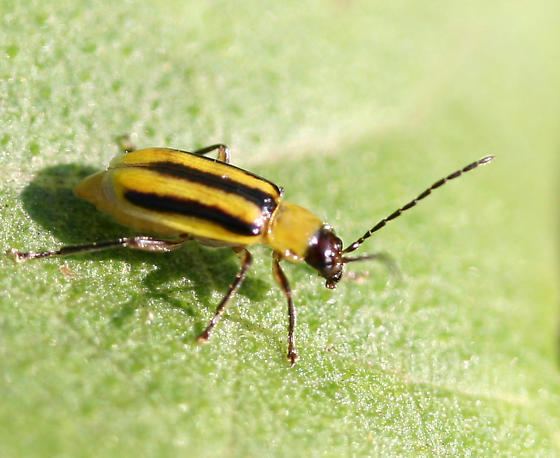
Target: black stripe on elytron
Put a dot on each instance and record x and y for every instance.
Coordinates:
(194, 209)
(257, 196)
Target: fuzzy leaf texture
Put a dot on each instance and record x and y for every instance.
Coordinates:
(354, 107)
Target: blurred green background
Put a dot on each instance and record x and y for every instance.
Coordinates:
(353, 107)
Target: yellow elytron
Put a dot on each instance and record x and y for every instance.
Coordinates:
(180, 196)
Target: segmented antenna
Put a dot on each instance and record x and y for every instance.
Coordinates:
(412, 203)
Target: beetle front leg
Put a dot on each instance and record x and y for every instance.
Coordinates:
(143, 243)
(282, 280)
(246, 261)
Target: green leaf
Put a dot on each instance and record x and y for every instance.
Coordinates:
(353, 107)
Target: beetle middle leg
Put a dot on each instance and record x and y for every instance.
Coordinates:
(246, 261)
(143, 243)
(282, 280)
(224, 154)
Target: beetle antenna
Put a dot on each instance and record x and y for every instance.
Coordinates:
(382, 257)
(412, 203)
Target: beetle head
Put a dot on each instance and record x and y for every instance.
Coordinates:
(324, 254)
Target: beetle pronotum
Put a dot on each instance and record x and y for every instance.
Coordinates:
(180, 196)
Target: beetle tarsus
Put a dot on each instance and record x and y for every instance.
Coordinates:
(203, 337)
(14, 254)
(293, 357)
(22, 256)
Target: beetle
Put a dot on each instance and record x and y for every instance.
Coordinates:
(180, 195)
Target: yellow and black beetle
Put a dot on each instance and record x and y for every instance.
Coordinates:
(180, 195)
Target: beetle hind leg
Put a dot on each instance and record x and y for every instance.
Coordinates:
(246, 261)
(143, 243)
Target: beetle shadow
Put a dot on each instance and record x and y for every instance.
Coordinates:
(50, 202)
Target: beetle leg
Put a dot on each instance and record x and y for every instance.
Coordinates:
(282, 280)
(125, 143)
(246, 261)
(381, 257)
(224, 154)
(143, 243)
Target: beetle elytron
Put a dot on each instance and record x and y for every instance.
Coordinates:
(180, 195)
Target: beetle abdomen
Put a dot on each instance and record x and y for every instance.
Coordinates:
(184, 193)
